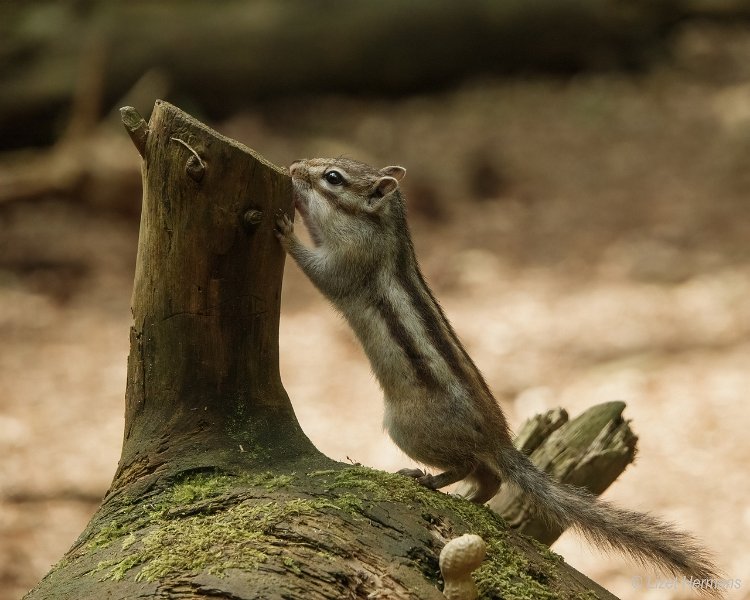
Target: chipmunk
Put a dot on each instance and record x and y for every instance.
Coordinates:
(438, 407)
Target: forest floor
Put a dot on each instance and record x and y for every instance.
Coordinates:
(588, 238)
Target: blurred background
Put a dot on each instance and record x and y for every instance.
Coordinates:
(579, 191)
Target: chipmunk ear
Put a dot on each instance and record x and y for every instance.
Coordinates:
(384, 186)
(381, 188)
(394, 171)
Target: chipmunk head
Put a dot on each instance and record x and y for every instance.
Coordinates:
(336, 195)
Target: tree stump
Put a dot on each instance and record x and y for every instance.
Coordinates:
(590, 451)
(218, 492)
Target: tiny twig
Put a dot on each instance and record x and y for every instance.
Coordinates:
(136, 127)
(189, 147)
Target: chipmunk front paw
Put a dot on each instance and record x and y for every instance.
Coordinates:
(284, 229)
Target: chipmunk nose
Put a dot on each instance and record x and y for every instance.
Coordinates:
(295, 166)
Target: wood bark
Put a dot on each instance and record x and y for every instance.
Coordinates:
(218, 492)
(206, 301)
(590, 451)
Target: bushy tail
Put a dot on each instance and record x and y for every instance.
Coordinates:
(639, 535)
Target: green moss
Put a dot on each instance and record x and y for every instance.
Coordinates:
(117, 569)
(233, 537)
(224, 534)
(275, 482)
(197, 487)
(193, 492)
(292, 565)
(378, 485)
(202, 486)
(214, 522)
(112, 531)
(322, 473)
(506, 572)
(129, 541)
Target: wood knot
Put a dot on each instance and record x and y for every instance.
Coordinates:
(195, 167)
(251, 219)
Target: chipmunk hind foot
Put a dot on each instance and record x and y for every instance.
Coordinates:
(479, 483)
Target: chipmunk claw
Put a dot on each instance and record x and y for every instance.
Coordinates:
(422, 478)
(284, 226)
(415, 473)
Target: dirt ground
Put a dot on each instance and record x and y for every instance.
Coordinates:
(589, 240)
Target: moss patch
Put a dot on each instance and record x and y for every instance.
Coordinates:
(214, 522)
(207, 523)
(507, 572)
(192, 493)
(231, 538)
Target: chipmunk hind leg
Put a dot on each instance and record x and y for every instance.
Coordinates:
(435, 482)
(482, 481)
(485, 483)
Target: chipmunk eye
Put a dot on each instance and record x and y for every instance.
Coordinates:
(333, 177)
